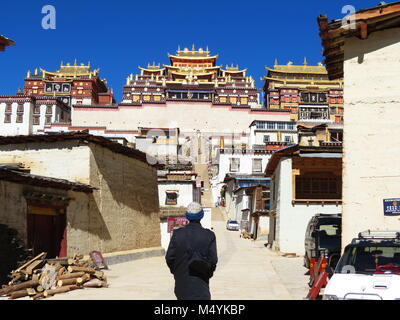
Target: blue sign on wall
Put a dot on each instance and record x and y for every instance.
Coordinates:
(391, 207)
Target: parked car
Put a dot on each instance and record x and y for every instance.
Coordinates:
(323, 234)
(232, 225)
(369, 269)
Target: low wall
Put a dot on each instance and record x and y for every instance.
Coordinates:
(130, 255)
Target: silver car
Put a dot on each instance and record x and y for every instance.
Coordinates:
(232, 225)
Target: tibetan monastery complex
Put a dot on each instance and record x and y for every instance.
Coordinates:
(192, 101)
(304, 90)
(191, 93)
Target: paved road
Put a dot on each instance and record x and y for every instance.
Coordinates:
(246, 270)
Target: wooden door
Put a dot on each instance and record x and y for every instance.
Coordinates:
(47, 231)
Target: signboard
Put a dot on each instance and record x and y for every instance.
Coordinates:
(391, 207)
(176, 222)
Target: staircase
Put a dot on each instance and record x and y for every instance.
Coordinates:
(217, 213)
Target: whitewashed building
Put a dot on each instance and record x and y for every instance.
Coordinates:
(239, 202)
(264, 133)
(367, 57)
(306, 180)
(25, 115)
(178, 186)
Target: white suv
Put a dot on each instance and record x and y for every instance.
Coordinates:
(369, 269)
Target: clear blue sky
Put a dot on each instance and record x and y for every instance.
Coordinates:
(117, 36)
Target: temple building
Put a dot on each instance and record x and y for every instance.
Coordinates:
(192, 75)
(73, 84)
(306, 91)
(44, 105)
(210, 104)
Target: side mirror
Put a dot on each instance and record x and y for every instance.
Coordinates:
(314, 233)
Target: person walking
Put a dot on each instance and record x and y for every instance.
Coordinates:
(192, 257)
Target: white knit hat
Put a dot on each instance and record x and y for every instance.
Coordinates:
(194, 207)
(194, 211)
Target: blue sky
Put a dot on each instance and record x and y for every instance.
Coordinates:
(117, 36)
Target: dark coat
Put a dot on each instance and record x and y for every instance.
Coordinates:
(189, 286)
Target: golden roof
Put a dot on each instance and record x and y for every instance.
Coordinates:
(75, 70)
(192, 54)
(233, 69)
(305, 68)
(305, 82)
(152, 68)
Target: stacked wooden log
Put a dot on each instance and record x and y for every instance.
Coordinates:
(40, 278)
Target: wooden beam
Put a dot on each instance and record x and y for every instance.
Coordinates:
(363, 30)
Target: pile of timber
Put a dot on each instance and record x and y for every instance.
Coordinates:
(40, 278)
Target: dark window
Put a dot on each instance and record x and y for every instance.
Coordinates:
(305, 97)
(270, 125)
(336, 136)
(49, 110)
(260, 125)
(36, 120)
(36, 110)
(313, 97)
(48, 120)
(20, 108)
(7, 118)
(266, 138)
(171, 197)
(367, 258)
(318, 187)
(8, 108)
(20, 118)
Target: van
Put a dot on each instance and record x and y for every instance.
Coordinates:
(323, 233)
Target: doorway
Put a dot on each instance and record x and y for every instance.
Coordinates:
(47, 230)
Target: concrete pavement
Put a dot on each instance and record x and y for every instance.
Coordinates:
(246, 270)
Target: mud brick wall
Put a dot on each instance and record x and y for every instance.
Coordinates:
(124, 211)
